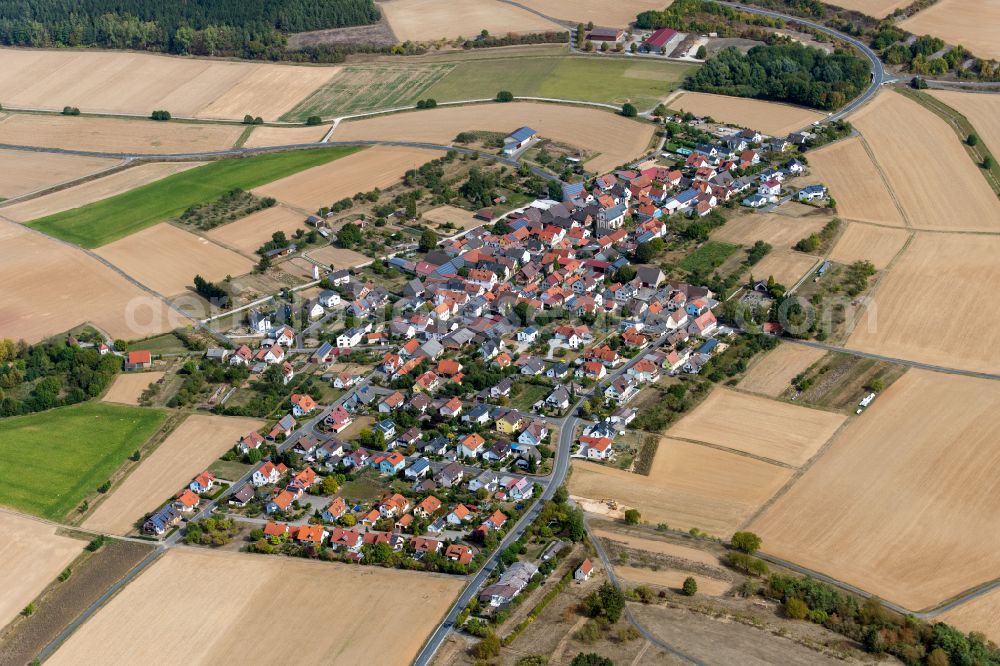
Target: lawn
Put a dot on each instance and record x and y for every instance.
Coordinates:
(104, 221)
(60, 456)
(708, 257)
(528, 394)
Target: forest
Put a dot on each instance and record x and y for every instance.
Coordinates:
(244, 28)
(785, 73)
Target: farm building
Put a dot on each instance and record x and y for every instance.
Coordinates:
(138, 360)
(518, 139)
(660, 39)
(612, 35)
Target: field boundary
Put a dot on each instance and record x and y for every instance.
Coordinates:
(885, 180)
(726, 449)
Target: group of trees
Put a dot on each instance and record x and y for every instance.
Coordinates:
(784, 72)
(211, 292)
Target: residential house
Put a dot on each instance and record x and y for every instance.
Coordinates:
(584, 571)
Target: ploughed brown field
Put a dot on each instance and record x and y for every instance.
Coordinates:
(855, 184)
(32, 555)
(430, 20)
(249, 233)
(971, 23)
(767, 117)
(774, 373)
(616, 138)
(129, 386)
(910, 317)
(185, 453)
(878, 245)
(25, 172)
(139, 83)
(921, 157)
(890, 507)
(222, 606)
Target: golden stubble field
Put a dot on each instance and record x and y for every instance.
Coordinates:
(459, 217)
(758, 426)
(378, 166)
(982, 110)
(430, 20)
(32, 555)
(246, 235)
(222, 608)
(26, 172)
(128, 387)
(616, 138)
(934, 179)
(906, 502)
(878, 245)
(339, 257)
(912, 315)
(971, 23)
(166, 259)
(876, 8)
(786, 266)
(616, 14)
(981, 614)
(184, 454)
(115, 135)
(138, 83)
(856, 185)
(93, 190)
(50, 287)
(285, 136)
(774, 373)
(780, 231)
(767, 117)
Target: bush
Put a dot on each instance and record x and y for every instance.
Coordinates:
(972, 140)
(505, 96)
(70, 111)
(690, 587)
(488, 647)
(629, 110)
(796, 609)
(632, 517)
(313, 120)
(160, 115)
(747, 542)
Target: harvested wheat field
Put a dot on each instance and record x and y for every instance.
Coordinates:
(248, 234)
(971, 23)
(166, 259)
(347, 612)
(781, 231)
(457, 217)
(891, 506)
(660, 547)
(878, 245)
(914, 147)
(774, 373)
(907, 317)
(32, 555)
(129, 386)
(768, 117)
(982, 110)
(856, 185)
(690, 485)
(876, 8)
(378, 166)
(184, 454)
(981, 614)
(137, 83)
(618, 14)
(339, 257)
(430, 20)
(36, 301)
(114, 135)
(616, 138)
(94, 190)
(25, 172)
(786, 266)
(758, 426)
(285, 136)
(673, 579)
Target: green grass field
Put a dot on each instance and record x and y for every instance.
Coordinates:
(708, 257)
(104, 221)
(60, 456)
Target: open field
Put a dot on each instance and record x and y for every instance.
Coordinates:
(178, 256)
(616, 138)
(774, 373)
(378, 166)
(25, 172)
(137, 83)
(914, 147)
(115, 135)
(689, 486)
(982, 110)
(64, 454)
(981, 614)
(94, 190)
(248, 234)
(618, 14)
(672, 578)
(245, 590)
(876, 8)
(967, 334)
(781, 231)
(285, 136)
(128, 386)
(104, 221)
(36, 302)
(875, 244)
(458, 217)
(429, 20)
(891, 505)
(185, 453)
(758, 426)
(660, 547)
(786, 266)
(854, 183)
(339, 257)
(767, 117)
(967, 22)
(33, 555)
